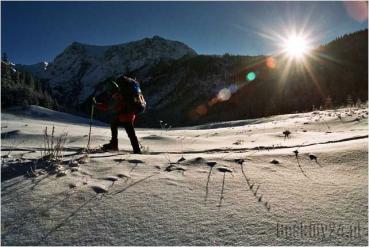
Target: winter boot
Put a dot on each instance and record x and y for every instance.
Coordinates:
(135, 146)
(111, 146)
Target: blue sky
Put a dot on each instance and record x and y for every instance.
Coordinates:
(38, 31)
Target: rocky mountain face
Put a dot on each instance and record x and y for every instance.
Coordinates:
(74, 73)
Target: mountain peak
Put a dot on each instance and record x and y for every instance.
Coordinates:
(158, 37)
(85, 65)
(76, 43)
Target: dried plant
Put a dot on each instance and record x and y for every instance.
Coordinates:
(164, 126)
(224, 170)
(53, 146)
(211, 164)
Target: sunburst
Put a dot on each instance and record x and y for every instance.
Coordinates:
(296, 46)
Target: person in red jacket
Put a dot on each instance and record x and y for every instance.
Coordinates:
(117, 105)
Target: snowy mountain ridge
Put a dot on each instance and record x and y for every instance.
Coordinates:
(80, 67)
(37, 69)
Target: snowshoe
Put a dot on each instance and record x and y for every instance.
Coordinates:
(96, 150)
(111, 146)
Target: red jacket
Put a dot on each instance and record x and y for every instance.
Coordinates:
(118, 106)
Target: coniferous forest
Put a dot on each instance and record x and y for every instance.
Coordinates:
(21, 88)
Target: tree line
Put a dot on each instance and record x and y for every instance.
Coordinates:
(21, 88)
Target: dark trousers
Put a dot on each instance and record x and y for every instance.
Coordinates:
(114, 124)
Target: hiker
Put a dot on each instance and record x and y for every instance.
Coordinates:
(121, 102)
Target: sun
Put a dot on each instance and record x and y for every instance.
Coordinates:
(296, 46)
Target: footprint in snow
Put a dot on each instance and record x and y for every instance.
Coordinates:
(72, 185)
(111, 178)
(275, 162)
(122, 175)
(195, 161)
(135, 161)
(172, 167)
(119, 161)
(181, 159)
(99, 189)
(225, 169)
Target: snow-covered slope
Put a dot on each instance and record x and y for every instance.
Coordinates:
(174, 195)
(46, 115)
(80, 67)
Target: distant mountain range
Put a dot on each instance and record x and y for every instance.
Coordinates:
(184, 88)
(38, 69)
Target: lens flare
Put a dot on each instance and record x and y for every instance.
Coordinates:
(213, 101)
(201, 110)
(250, 76)
(357, 10)
(233, 88)
(270, 62)
(224, 94)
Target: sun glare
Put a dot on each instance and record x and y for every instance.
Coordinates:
(296, 46)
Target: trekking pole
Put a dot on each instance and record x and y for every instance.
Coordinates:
(92, 114)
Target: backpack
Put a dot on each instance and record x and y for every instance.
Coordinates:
(131, 92)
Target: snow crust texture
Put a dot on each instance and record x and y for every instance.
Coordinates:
(231, 183)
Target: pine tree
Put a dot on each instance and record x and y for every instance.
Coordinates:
(328, 104)
(23, 78)
(18, 78)
(4, 57)
(32, 81)
(349, 101)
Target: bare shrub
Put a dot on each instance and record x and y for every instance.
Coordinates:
(53, 146)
